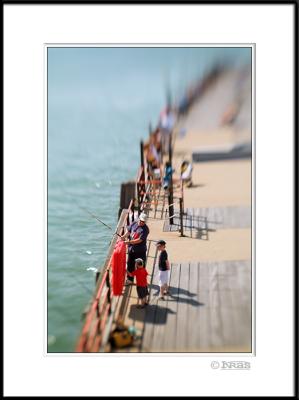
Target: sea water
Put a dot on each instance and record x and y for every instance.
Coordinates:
(100, 104)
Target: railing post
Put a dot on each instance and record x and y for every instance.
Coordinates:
(141, 154)
(154, 196)
(183, 194)
(109, 289)
(128, 219)
(139, 199)
(181, 216)
(133, 209)
(170, 195)
(141, 187)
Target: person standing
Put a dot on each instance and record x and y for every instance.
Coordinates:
(164, 267)
(141, 282)
(167, 175)
(135, 239)
(186, 173)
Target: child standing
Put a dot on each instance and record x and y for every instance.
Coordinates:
(164, 268)
(141, 282)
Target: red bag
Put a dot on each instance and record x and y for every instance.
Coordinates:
(118, 267)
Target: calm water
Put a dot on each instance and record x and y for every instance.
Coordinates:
(100, 104)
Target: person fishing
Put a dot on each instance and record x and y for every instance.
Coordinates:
(135, 239)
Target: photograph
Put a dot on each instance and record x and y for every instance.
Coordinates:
(150, 204)
(150, 198)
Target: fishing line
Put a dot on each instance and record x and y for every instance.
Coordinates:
(99, 220)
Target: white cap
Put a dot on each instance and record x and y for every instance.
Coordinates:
(143, 217)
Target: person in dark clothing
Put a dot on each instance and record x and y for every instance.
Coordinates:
(164, 267)
(135, 238)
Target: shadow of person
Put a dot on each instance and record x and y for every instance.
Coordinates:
(152, 313)
(152, 287)
(176, 291)
(185, 300)
(196, 185)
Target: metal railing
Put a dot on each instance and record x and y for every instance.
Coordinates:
(91, 337)
(96, 317)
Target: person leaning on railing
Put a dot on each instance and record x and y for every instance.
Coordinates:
(153, 158)
(166, 124)
(135, 238)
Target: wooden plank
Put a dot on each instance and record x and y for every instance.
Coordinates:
(228, 314)
(243, 333)
(235, 304)
(216, 333)
(209, 309)
(203, 341)
(150, 311)
(243, 269)
(171, 303)
(183, 307)
(160, 322)
(193, 327)
(160, 317)
(243, 310)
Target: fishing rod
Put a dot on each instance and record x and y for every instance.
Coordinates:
(99, 220)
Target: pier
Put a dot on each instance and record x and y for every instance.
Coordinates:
(207, 229)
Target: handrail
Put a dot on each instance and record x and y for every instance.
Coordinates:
(130, 210)
(95, 322)
(91, 338)
(94, 326)
(138, 176)
(93, 330)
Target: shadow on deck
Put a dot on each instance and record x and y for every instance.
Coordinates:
(198, 222)
(206, 309)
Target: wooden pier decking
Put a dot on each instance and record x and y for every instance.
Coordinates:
(202, 311)
(209, 308)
